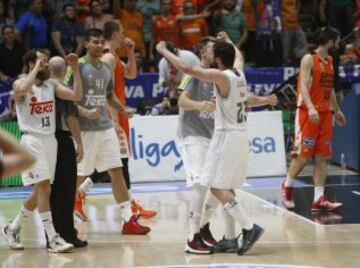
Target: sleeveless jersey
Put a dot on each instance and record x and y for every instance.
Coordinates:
(119, 90)
(230, 112)
(36, 112)
(321, 86)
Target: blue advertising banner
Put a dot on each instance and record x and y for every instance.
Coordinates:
(261, 81)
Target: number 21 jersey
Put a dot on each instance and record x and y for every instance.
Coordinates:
(36, 112)
(230, 112)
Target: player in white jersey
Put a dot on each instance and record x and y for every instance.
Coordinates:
(226, 160)
(35, 106)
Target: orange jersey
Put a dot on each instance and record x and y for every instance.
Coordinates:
(249, 12)
(166, 29)
(132, 23)
(119, 90)
(191, 32)
(321, 86)
(289, 14)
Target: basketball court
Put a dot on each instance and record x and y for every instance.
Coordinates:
(291, 239)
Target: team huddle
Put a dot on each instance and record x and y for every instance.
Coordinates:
(53, 105)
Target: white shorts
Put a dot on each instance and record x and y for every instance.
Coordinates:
(44, 149)
(193, 151)
(101, 152)
(226, 160)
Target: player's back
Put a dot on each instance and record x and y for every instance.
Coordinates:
(230, 112)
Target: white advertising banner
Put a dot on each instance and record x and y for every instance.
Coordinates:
(156, 157)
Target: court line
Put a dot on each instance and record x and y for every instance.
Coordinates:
(281, 208)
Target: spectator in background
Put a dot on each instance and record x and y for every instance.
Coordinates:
(268, 33)
(97, 18)
(169, 76)
(4, 19)
(83, 8)
(338, 14)
(293, 37)
(32, 27)
(231, 21)
(249, 47)
(11, 54)
(169, 105)
(57, 7)
(178, 6)
(191, 30)
(352, 54)
(356, 13)
(165, 25)
(132, 22)
(67, 33)
(148, 9)
(17, 8)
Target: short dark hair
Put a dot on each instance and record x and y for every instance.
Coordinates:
(92, 2)
(68, 5)
(93, 32)
(31, 56)
(204, 42)
(171, 47)
(6, 27)
(325, 34)
(110, 27)
(226, 52)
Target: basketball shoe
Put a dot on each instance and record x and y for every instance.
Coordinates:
(249, 237)
(12, 237)
(287, 194)
(79, 206)
(206, 235)
(322, 203)
(59, 245)
(132, 227)
(137, 209)
(197, 246)
(226, 246)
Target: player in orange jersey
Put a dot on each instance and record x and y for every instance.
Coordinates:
(314, 120)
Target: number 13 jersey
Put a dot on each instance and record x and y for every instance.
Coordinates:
(230, 112)
(36, 112)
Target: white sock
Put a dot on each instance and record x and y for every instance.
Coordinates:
(236, 210)
(318, 192)
(289, 181)
(194, 224)
(229, 230)
(210, 204)
(125, 209)
(196, 205)
(86, 185)
(48, 224)
(23, 214)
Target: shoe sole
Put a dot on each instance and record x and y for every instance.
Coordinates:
(65, 250)
(319, 210)
(7, 240)
(256, 239)
(193, 251)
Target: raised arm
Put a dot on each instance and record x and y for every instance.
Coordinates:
(24, 85)
(209, 75)
(66, 93)
(15, 159)
(130, 67)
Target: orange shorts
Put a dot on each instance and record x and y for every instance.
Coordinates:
(313, 139)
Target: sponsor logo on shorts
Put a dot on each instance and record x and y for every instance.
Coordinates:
(309, 142)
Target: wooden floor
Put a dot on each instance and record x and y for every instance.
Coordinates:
(289, 239)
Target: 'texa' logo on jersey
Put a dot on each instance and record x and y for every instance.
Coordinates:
(94, 100)
(154, 152)
(44, 107)
(259, 145)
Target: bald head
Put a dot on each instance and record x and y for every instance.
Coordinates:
(57, 67)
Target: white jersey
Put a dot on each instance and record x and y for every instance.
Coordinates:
(230, 112)
(36, 112)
